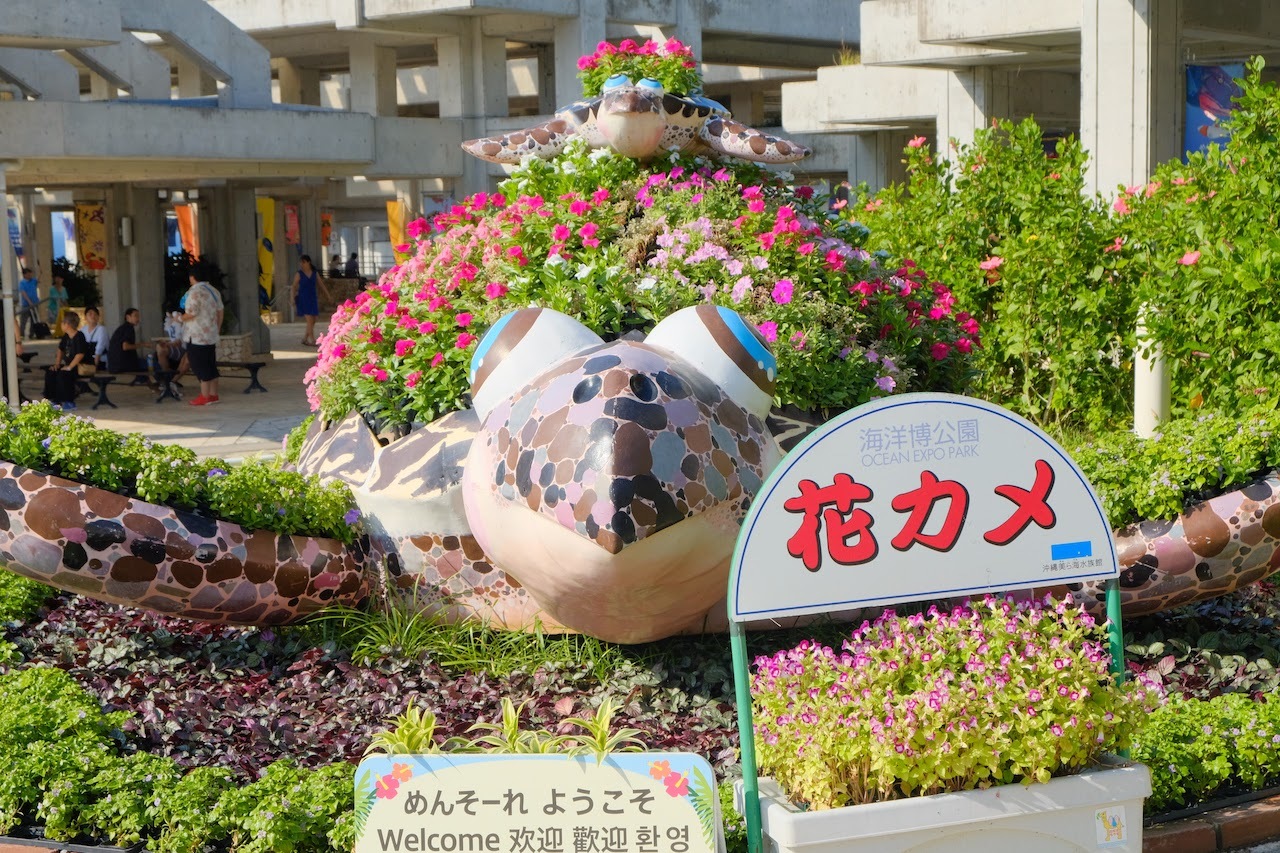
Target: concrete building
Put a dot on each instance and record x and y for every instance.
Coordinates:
(1113, 71)
(328, 107)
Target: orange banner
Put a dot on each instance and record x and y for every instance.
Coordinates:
(186, 214)
(91, 234)
(326, 228)
(292, 230)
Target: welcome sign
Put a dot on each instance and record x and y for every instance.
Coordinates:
(643, 802)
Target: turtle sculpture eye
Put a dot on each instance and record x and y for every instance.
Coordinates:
(616, 81)
(517, 348)
(727, 349)
(649, 83)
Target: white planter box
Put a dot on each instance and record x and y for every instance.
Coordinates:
(1095, 810)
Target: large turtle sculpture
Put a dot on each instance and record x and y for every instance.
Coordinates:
(639, 119)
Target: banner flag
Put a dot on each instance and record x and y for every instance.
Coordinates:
(266, 247)
(91, 234)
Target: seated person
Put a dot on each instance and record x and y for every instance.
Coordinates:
(73, 349)
(96, 335)
(122, 349)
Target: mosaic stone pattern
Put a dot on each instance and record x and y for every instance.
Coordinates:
(620, 443)
(1214, 548)
(126, 551)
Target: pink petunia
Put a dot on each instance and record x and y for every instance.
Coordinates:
(804, 248)
(579, 208)
(403, 346)
(939, 351)
(782, 291)
(495, 290)
(463, 319)
(411, 381)
(417, 227)
(1189, 258)
(756, 205)
(437, 359)
(561, 232)
(769, 330)
(752, 192)
(426, 327)
(600, 196)
(464, 340)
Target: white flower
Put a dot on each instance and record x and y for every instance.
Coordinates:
(553, 261)
(598, 154)
(787, 177)
(584, 270)
(647, 283)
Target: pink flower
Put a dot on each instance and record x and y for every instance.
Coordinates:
(402, 248)
(411, 381)
(782, 291)
(464, 340)
(579, 208)
(417, 227)
(586, 63)
(426, 327)
(495, 290)
(437, 359)
(463, 319)
(798, 340)
(804, 248)
(1189, 258)
(939, 351)
(722, 175)
(561, 232)
(1120, 207)
(804, 192)
(752, 192)
(917, 142)
(1116, 246)
(991, 263)
(403, 346)
(379, 375)
(769, 330)
(600, 196)
(756, 205)
(964, 345)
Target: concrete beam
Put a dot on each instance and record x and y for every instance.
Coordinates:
(129, 65)
(890, 32)
(994, 21)
(205, 36)
(64, 24)
(769, 53)
(373, 78)
(391, 8)
(40, 74)
(787, 20)
(254, 16)
(415, 147)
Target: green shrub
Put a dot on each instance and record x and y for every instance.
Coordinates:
(1024, 251)
(20, 598)
(289, 808)
(183, 816)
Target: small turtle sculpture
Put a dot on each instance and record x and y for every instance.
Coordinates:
(639, 120)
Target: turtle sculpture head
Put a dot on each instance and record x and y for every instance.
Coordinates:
(610, 479)
(639, 119)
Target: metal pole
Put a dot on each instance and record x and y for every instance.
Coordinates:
(1115, 633)
(746, 737)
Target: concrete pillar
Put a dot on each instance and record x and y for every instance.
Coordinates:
(746, 102)
(140, 267)
(577, 37)
(9, 276)
(193, 82)
(1131, 80)
(240, 262)
(546, 80)
(102, 89)
(298, 85)
(373, 79)
(473, 86)
(283, 263)
(974, 96)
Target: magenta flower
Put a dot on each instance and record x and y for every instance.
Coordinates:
(463, 319)
(579, 208)
(437, 359)
(403, 346)
(426, 327)
(411, 381)
(561, 232)
(495, 290)
(782, 291)
(769, 330)
(939, 351)
(464, 340)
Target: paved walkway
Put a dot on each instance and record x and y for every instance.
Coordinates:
(238, 425)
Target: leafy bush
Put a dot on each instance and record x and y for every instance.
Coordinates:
(1189, 459)
(1197, 748)
(184, 817)
(289, 808)
(992, 693)
(20, 598)
(1025, 252)
(1201, 246)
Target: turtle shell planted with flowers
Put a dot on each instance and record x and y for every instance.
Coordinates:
(595, 487)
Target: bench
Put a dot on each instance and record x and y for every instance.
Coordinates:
(251, 367)
(102, 380)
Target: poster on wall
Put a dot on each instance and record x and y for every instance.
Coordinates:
(395, 227)
(15, 234)
(326, 228)
(1210, 90)
(91, 234)
(292, 230)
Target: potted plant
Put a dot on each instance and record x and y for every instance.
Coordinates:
(991, 726)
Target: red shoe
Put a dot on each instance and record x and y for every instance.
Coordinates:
(202, 400)
(209, 401)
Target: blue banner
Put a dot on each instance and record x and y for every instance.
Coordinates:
(15, 233)
(1210, 90)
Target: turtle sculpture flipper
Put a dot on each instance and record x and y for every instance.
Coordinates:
(639, 120)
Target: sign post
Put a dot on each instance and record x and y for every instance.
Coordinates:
(911, 497)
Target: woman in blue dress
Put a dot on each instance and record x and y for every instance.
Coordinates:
(306, 302)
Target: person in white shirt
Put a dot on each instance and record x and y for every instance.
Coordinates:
(96, 335)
